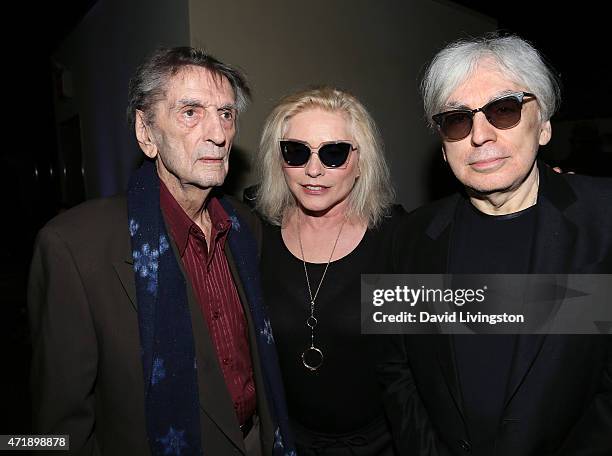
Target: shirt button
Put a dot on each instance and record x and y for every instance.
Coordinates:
(235, 405)
(216, 315)
(226, 361)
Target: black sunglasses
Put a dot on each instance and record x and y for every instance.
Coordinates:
(502, 113)
(332, 154)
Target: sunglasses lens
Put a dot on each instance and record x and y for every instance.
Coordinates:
(334, 155)
(295, 153)
(456, 125)
(504, 113)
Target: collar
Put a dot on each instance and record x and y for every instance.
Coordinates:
(553, 188)
(180, 224)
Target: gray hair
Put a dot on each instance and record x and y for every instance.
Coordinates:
(372, 194)
(515, 56)
(148, 86)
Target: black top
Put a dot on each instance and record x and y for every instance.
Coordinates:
(343, 394)
(486, 244)
(491, 244)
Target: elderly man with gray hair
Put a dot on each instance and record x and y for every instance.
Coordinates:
(491, 99)
(149, 333)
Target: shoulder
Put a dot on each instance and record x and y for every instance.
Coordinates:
(590, 210)
(91, 221)
(448, 203)
(397, 222)
(244, 212)
(565, 188)
(594, 188)
(395, 212)
(586, 199)
(89, 238)
(441, 210)
(390, 219)
(246, 215)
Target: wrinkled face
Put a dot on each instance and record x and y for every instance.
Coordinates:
(194, 126)
(491, 160)
(318, 189)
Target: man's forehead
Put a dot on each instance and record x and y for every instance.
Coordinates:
(195, 81)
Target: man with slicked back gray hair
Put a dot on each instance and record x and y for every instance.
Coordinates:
(491, 99)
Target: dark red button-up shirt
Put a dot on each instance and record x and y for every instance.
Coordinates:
(216, 294)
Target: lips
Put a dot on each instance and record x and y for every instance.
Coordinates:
(314, 189)
(487, 163)
(486, 160)
(211, 159)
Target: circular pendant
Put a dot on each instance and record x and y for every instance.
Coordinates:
(312, 358)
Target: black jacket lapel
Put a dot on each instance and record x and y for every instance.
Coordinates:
(433, 258)
(553, 241)
(125, 273)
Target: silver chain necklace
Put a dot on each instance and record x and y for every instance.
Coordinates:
(314, 352)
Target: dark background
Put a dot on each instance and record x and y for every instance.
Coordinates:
(574, 38)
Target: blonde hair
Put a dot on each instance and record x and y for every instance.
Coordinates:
(372, 193)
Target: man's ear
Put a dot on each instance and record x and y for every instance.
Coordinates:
(545, 133)
(144, 135)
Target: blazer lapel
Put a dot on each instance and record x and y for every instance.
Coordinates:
(554, 239)
(215, 400)
(263, 406)
(448, 365)
(434, 257)
(125, 273)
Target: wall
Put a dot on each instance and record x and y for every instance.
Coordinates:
(376, 50)
(98, 59)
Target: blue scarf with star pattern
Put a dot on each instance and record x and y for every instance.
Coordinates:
(172, 406)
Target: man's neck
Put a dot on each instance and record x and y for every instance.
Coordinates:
(509, 202)
(193, 201)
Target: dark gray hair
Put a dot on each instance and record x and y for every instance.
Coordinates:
(516, 57)
(148, 86)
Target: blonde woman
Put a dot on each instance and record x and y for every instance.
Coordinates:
(326, 193)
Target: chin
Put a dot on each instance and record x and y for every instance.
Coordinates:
(488, 183)
(310, 207)
(490, 187)
(324, 208)
(211, 180)
(313, 207)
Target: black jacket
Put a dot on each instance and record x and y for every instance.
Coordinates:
(559, 396)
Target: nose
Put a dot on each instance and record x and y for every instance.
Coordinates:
(314, 168)
(482, 131)
(213, 129)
